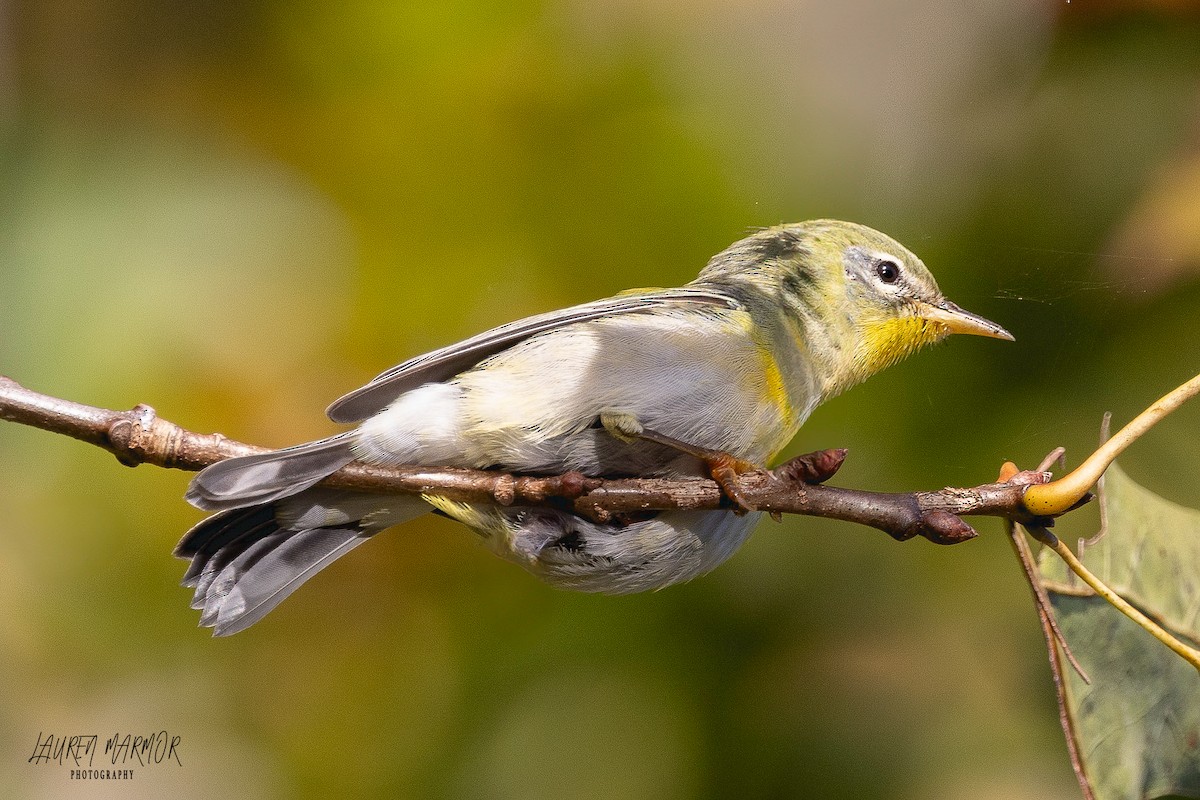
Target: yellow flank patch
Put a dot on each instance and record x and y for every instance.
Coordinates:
(776, 391)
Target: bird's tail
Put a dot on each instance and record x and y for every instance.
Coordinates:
(245, 561)
(265, 477)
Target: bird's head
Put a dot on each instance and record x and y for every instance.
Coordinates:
(860, 300)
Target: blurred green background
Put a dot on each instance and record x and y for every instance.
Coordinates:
(237, 211)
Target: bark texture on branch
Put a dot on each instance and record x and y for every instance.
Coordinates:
(140, 436)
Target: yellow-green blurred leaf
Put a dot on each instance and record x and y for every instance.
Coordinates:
(1138, 723)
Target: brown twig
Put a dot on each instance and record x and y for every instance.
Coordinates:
(140, 436)
(1056, 646)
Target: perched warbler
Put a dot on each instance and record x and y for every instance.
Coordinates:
(634, 385)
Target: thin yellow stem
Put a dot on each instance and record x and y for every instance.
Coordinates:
(1189, 654)
(1058, 496)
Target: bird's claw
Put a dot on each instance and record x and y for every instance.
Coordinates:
(723, 467)
(725, 470)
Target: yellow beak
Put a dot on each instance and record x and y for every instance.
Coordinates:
(956, 320)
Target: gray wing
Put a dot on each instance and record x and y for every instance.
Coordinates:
(444, 363)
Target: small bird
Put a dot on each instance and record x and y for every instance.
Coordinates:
(650, 382)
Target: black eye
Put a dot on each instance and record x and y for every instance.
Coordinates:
(888, 271)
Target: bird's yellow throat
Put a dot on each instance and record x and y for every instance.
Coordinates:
(883, 342)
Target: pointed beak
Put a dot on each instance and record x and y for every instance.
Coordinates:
(956, 320)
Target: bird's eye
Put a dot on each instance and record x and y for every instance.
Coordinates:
(887, 271)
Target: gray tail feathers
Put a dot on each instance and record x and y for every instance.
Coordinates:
(265, 477)
(244, 563)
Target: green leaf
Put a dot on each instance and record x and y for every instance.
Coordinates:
(1138, 723)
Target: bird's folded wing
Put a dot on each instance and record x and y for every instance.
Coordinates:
(446, 362)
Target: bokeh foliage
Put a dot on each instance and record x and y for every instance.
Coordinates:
(236, 211)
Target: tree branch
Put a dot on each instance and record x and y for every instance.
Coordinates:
(140, 436)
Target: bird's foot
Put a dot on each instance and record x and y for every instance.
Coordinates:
(723, 467)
